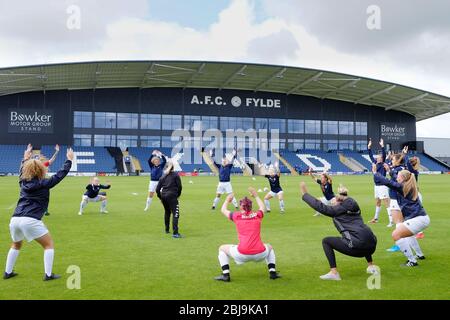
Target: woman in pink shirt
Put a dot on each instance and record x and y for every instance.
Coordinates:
(250, 247)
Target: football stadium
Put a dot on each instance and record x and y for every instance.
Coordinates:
(200, 118)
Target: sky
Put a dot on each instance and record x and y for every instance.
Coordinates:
(409, 45)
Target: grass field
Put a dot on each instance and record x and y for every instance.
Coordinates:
(126, 254)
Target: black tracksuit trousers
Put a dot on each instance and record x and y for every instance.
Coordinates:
(171, 206)
(336, 243)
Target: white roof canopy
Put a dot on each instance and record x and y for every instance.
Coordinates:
(223, 75)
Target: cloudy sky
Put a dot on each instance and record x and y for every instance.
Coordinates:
(411, 47)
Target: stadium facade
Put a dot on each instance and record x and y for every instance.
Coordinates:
(140, 104)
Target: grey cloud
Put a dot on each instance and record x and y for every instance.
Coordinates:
(43, 23)
(278, 47)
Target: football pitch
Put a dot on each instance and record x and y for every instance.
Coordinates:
(125, 254)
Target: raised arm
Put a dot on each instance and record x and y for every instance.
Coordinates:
(369, 148)
(53, 158)
(391, 184)
(163, 161)
(224, 210)
(57, 178)
(317, 205)
(104, 186)
(383, 150)
(260, 203)
(150, 161)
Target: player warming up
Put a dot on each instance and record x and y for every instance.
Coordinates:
(157, 162)
(250, 247)
(357, 240)
(47, 164)
(169, 190)
(26, 222)
(381, 191)
(326, 185)
(415, 219)
(93, 194)
(275, 188)
(224, 185)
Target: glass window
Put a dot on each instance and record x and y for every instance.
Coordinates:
(82, 119)
(261, 123)
(361, 128)
(105, 120)
(150, 141)
(190, 120)
(346, 128)
(296, 126)
(102, 140)
(233, 123)
(330, 144)
(296, 144)
(82, 140)
(167, 142)
(126, 141)
(171, 122)
(312, 126)
(346, 145)
(361, 145)
(151, 121)
(330, 127)
(127, 120)
(279, 124)
(312, 144)
(210, 122)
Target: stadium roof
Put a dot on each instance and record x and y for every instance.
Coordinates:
(224, 75)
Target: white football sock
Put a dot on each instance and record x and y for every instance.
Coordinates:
(149, 202)
(103, 205)
(216, 201)
(48, 261)
(415, 245)
(11, 260)
(406, 249)
(83, 204)
(224, 260)
(235, 204)
(377, 212)
(267, 203)
(389, 215)
(270, 260)
(282, 205)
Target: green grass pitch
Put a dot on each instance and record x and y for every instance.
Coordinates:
(126, 254)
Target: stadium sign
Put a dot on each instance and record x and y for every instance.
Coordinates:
(30, 121)
(392, 131)
(235, 101)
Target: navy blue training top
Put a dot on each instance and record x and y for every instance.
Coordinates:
(380, 166)
(274, 182)
(225, 171)
(156, 171)
(92, 190)
(327, 189)
(410, 208)
(35, 194)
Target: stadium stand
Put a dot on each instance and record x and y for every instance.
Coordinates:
(88, 159)
(98, 159)
(10, 157)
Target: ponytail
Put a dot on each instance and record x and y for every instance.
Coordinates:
(397, 159)
(409, 184)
